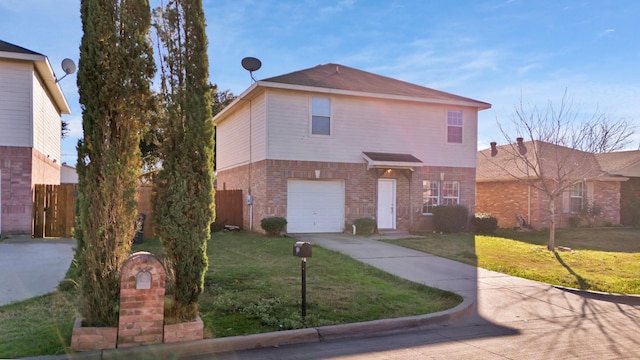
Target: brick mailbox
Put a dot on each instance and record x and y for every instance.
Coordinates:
(142, 290)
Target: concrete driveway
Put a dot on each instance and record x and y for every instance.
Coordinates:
(32, 267)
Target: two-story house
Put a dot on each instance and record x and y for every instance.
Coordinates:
(31, 104)
(330, 144)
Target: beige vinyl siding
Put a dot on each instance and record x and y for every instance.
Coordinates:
(47, 122)
(366, 124)
(233, 145)
(15, 103)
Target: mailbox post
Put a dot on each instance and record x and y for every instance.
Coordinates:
(302, 250)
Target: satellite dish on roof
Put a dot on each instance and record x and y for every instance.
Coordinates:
(251, 64)
(69, 67)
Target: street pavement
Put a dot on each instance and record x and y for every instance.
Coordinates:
(32, 267)
(501, 317)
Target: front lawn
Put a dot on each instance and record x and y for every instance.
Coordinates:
(603, 259)
(253, 285)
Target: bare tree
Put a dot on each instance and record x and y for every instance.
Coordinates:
(554, 149)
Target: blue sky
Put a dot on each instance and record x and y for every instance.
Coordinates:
(497, 51)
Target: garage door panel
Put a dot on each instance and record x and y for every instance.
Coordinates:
(315, 206)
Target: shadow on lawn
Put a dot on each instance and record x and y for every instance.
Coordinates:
(584, 284)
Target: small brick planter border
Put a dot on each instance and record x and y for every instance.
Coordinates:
(187, 331)
(93, 338)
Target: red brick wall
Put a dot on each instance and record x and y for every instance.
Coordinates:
(506, 199)
(17, 197)
(141, 317)
(269, 188)
(44, 170)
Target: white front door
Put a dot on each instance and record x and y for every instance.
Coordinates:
(386, 203)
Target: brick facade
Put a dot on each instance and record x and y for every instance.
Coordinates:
(21, 168)
(505, 199)
(266, 181)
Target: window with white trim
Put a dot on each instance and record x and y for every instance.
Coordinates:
(436, 193)
(450, 193)
(320, 116)
(454, 126)
(576, 197)
(430, 195)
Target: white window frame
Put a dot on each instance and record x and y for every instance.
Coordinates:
(576, 194)
(455, 121)
(320, 111)
(426, 195)
(452, 198)
(448, 193)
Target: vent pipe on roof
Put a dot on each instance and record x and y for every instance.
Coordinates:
(337, 69)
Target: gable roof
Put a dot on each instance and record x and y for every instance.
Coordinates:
(556, 160)
(336, 76)
(43, 68)
(339, 79)
(8, 47)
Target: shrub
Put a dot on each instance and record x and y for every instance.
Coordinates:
(590, 213)
(574, 221)
(484, 223)
(450, 218)
(273, 226)
(365, 226)
(217, 226)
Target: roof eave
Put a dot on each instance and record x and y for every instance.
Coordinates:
(475, 104)
(44, 69)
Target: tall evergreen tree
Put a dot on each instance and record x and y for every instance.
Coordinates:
(183, 201)
(115, 69)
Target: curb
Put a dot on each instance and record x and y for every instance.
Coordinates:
(604, 296)
(272, 339)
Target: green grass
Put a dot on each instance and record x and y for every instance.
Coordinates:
(253, 285)
(604, 259)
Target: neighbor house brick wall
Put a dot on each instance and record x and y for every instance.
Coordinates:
(44, 170)
(505, 199)
(17, 197)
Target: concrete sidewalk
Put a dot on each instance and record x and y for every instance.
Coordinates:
(32, 267)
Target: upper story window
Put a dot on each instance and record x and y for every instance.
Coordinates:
(576, 197)
(454, 126)
(320, 116)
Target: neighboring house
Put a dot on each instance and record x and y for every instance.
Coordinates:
(607, 180)
(68, 174)
(31, 104)
(330, 144)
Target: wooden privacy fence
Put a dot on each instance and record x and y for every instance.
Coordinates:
(229, 207)
(53, 210)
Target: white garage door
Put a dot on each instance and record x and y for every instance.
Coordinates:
(315, 206)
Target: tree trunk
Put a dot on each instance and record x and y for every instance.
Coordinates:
(552, 228)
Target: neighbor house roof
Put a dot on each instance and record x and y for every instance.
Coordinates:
(551, 160)
(42, 66)
(339, 79)
(623, 163)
